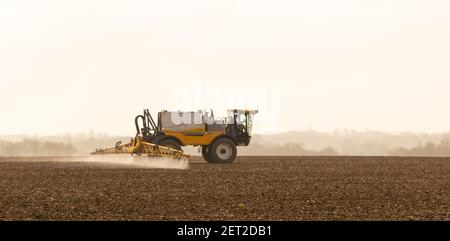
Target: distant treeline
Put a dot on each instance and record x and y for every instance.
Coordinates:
(33, 147)
(428, 149)
(346, 142)
(287, 149)
(351, 142)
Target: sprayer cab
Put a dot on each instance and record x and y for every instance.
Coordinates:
(239, 125)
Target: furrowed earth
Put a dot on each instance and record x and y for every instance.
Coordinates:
(252, 188)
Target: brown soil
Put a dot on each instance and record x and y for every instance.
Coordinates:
(252, 188)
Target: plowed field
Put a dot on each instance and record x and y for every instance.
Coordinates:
(252, 188)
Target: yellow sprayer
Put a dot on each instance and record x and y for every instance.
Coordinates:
(218, 137)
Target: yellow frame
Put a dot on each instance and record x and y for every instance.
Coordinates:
(188, 140)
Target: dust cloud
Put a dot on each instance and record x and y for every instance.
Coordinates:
(135, 161)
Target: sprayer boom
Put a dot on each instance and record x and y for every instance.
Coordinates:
(139, 147)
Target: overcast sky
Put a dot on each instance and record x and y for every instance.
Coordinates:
(72, 66)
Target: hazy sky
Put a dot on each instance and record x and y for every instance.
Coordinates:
(69, 66)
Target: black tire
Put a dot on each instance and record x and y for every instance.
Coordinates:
(170, 142)
(205, 153)
(222, 150)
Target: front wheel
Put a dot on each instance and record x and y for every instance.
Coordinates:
(222, 150)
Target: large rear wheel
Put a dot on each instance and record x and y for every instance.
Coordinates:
(222, 150)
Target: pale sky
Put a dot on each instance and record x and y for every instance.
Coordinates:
(73, 66)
